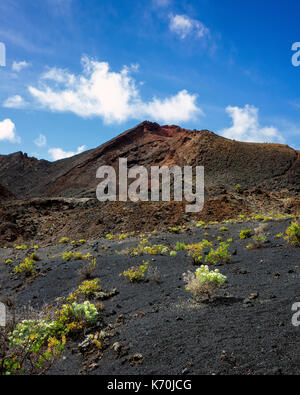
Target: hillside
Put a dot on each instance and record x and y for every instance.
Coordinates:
(227, 163)
(56, 199)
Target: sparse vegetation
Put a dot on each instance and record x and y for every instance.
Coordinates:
(204, 282)
(279, 235)
(136, 273)
(31, 347)
(75, 256)
(87, 289)
(64, 240)
(223, 229)
(245, 234)
(87, 271)
(220, 255)
(259, 238)
(21, 247)
(196, 251)
(180, 246)
(75, 316)
(293, 234)
(145, 248)
(26, 268)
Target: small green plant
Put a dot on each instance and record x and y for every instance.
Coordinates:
(87, 289)
(64, 240)
(109, 237)
(22, 247)
(75, 316)
(180, 246)
(220, 255)
(293, 234)
(31, 347)
(75, 256)
(204, 282)
(35, 257)
(26, 268)
(201, 224)
(136, 273)
(196, 251)
(223, 229)
(245, 234)
(33, 334)
(173, 253)
(279, 235)
(145, 248)
(176, 229)
(90, 288)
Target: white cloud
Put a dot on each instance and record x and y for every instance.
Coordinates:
(113, 96)
(41, 141)
(183, 26)
(246, 127)
(8, 132)
(58, 153)
(179, 108)
(19, 66)
(15, 102)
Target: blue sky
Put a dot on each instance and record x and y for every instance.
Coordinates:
(79, 72)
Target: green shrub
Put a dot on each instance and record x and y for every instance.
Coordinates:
(180, 246)
(22, 247)
(136, 273)
(223, 229)
(35, 257)
(31, 347)
(64, 240)
(26, 268)
(75, 256)
(204, 281)
(196, 251)
(279, 235)
(220, 255)
(90, 288)
(75, 316)
(145, 248)
(245, 234)
(293, 234)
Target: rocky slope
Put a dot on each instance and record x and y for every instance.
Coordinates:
(56, 199)
(227, 163)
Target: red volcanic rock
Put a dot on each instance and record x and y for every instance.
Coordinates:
(270, 167)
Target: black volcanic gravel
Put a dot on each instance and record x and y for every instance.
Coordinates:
(174, 334)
